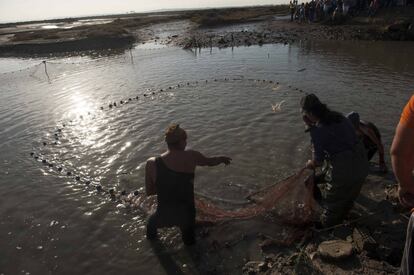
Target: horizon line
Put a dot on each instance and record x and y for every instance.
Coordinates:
(129, 13)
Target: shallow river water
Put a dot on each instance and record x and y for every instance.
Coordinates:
(51, 223)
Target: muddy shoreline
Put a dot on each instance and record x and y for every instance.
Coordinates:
(369, 241)
(207, 28)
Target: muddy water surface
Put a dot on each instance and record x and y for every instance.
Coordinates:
(50, 223)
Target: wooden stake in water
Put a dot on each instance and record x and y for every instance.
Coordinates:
(132, 57)
(48, 78)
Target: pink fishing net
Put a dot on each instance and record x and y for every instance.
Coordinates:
(289, 201)
(279, 212)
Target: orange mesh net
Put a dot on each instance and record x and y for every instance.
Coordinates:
(279, 211)
(290, 201)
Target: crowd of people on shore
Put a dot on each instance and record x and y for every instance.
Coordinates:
(335, 10)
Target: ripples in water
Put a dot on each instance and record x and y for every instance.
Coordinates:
(110, 147)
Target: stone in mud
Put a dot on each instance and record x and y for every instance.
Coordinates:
(398, 26)
(263, 267)
(335, 249)
(252, 267)
(363, 241)
(121, 206)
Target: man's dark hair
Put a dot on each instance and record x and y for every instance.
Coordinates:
(174, 135)
(311, 104)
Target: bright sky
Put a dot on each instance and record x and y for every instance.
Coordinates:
(25, 10)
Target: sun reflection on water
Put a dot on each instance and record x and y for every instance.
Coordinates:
(85, 127)
(127, 144)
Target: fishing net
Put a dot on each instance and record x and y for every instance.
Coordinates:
(279, 212)
(290, 200)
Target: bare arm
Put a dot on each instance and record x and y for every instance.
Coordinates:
(402, 158)
(201, 160)
(150, 172)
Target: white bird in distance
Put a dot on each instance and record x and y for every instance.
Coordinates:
(277, 107)
(275, 88)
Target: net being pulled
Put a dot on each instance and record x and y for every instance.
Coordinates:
(280, 211)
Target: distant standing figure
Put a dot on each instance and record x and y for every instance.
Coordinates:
(371, 138)
(373, 8)
(171, 177)
(327, 5)
(346, 6)
(292, 10)
(402, 158)
(302, 13)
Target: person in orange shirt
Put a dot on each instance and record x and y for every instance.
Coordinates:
(402, 158)
(402, 155)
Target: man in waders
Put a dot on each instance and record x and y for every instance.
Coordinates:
(402, 158)
(337, 149)
(171, 177)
